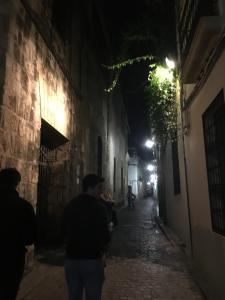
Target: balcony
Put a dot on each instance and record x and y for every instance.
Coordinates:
(199, 28)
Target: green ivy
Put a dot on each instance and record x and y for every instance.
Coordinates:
(160, 97)
(119, 66)
(162, 106)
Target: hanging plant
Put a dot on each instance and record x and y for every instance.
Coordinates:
(117, 68)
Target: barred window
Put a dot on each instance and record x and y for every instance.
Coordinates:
(214, 136)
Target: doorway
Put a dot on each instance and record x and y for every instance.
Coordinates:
(51, 187)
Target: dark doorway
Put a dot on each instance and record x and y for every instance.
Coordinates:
(46, 160)
(50, 188)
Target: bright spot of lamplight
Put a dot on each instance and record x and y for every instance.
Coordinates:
(53, 105)
(170, 63)
(153, 178)
(150, 167)
(149, 144)
(148, 183)
(164, 74)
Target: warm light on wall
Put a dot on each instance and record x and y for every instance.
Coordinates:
(53, 105)
(164, 74)
(170, 63)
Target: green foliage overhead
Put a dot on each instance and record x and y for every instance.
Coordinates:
(119, 66)
(161, 102)
(148, 35)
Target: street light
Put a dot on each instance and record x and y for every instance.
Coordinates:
(170, 63)
(149, 144)
(150, 168)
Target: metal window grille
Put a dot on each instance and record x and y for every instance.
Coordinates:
(188, 20)
(214, 136)
(46, 159)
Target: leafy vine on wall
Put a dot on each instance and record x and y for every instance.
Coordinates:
(161, 103)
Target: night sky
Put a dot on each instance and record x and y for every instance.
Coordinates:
(156, 19)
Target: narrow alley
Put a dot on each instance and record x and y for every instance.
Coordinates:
(142, 263)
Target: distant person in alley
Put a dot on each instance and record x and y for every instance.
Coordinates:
(17, 230)
(86, 236)
(130, 197)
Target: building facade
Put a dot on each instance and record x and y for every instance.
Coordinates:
(136, 174)
(56, 121)
(196, 213)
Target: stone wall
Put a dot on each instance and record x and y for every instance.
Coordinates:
(53, 109)
(35, 90)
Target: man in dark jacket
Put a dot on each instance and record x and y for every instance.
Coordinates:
(17, 230)
(86, 236)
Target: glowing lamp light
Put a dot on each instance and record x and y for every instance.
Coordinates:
(149, 144)
(153, 178)
(150, 167)
(164, 74)
(148, 183)
(170, 63)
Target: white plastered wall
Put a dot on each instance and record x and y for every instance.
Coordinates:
(208, 246)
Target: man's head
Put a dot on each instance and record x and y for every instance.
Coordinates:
(9, 178)
(129, 188)
(93, 185)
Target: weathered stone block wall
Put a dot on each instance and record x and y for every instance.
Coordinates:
(32, 87)
(35, 88)
(117, 146)
(36, 84)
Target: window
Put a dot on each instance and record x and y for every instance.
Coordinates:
(214, 136)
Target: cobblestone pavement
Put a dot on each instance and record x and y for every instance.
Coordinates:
(141, 264)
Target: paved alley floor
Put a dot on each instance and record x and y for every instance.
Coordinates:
(141, 264)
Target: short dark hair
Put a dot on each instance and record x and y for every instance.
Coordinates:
(91, 180)
(9, 177)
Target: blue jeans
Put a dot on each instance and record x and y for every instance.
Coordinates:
(84, 276)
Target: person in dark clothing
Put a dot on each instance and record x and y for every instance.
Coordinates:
(86, 237)
(17, 230)
(130, 197)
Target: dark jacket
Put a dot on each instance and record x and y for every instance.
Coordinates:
(85, 228)
(17, 222)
